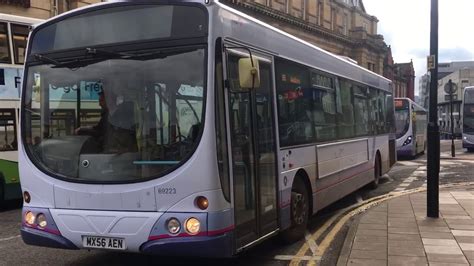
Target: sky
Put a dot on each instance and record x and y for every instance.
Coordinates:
(405, 25)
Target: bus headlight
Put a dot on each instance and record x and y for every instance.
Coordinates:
(174, 226)
(407, 141)
(193, 226)
(30, 218)
(41, 220)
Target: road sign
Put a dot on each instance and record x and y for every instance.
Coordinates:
(431, 62)
(446, 87)
(446, 97)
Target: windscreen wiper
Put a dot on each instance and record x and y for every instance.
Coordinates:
(46, 59)
(101, 52)
(94, 55)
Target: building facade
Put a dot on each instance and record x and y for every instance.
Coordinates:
(402, 76)
(342, 27)
(462, 78)
(41, 9)
(444, 69)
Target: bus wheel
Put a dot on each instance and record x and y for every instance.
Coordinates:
(375, 183)
(299, 212)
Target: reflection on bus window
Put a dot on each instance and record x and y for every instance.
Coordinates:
(8, 141)
(20, 38)
(4, 46)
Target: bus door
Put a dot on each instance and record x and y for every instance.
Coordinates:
(252, 131)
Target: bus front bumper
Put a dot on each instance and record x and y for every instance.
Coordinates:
(202, 246)
(467, 144)
(406, 150)
(44, 239)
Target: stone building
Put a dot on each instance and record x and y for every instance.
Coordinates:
(342, 27)
(41, 9)
(462, 78)
(444, 69)
(402, 76)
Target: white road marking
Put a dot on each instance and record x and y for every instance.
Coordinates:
(9, 238)
(409, 180)
(290, 257)
(311, 243)
(408, 163)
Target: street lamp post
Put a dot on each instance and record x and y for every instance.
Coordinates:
(452, 117)
(432, 197)
(450, 88)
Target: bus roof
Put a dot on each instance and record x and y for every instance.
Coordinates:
(334, 56)
(19, 19)
(320, 59)
(419, 107)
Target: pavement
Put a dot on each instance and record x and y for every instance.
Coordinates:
(398, 232)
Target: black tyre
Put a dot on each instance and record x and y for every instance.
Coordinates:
(375, 183)
(299, 212)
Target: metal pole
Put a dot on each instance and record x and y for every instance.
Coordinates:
(432, 196)
(453, 154)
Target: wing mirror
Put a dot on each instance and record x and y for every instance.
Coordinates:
(249, 73)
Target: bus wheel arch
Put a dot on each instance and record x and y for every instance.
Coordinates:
(377, 171)
(301, 207)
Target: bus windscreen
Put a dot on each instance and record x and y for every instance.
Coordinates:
(150, 115)
(402, 115)
(468, 125)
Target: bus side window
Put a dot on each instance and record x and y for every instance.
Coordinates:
(8, 141)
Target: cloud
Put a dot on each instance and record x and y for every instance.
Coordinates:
(455, 54)
(405, 25)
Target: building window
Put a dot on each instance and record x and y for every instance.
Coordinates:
(20, 38)
(21, 3)
(371, 66)
(333, 19)
(345, 24)
(4, 45)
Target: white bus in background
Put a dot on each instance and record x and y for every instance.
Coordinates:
(13, 39)
(411, 127)
(231, 131)
(468, 119)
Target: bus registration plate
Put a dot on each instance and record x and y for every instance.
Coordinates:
(103, 242)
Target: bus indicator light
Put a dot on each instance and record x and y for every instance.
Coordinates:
(26, 197)
(193, 226)
(30, 218)
(202, 202)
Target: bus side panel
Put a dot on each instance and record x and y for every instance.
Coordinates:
(341, 170)
(382, 145)
(350, 181)
(356, 160)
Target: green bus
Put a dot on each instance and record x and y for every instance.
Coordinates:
(14, 32)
